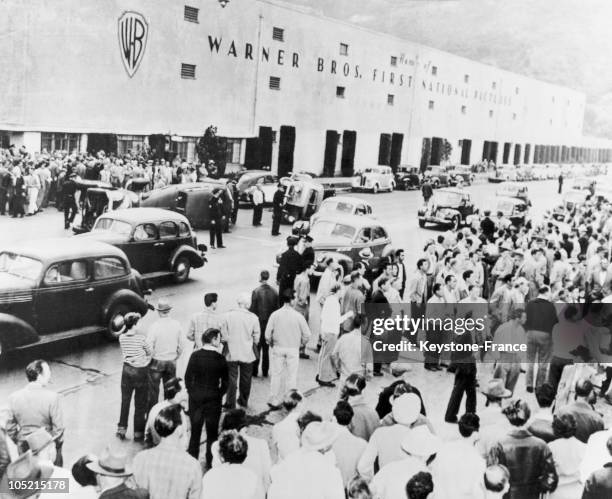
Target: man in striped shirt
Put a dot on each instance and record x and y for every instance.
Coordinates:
(207, 319)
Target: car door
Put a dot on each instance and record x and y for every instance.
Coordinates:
(65, 299)
(169, 241)
(109, 275)
(143, 247)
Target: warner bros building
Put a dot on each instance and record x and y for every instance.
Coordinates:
(289, 89)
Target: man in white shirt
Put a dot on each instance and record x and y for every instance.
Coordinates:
(353, 352)
(347, 447)
(242, 337)
(596, 454)
(509, 363)
(166, 340)
(258, 202)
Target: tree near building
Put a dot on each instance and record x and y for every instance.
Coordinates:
(212, 147)
(447, 150)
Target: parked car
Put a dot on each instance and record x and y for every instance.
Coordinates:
(438, 176)
(450, 206)
(190, 200)
(267, 182)
(586, 183)
(157, 242)
(461, 175)
(342, 205)
(138, 186)
(302, 200)
(407, 177)
(572, 199)
(514, 190)
(375, 179)
(60, 288)
(502, 174)
(513, 208)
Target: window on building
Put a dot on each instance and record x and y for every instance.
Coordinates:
(343, 49)
(466, 78)
(60, 142)
(274, 82)
(233, 150)
(188, 71)
(393, 60)
(434, 70)
(431, 104)
(278, 34)
(390, 99)
(463, 109)
(183, 147)
(494, 85)
(490, 113)
(340, 92)
(191, 14)
(130, 144)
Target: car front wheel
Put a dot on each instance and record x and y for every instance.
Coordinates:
(181, 269)
(115, 322)
(421, 223)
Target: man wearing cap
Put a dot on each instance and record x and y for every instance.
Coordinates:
(165, 338)
(308, 473)
(35, 406)
(112, 473)
(417, 446)
(385, 442)
(289, 265)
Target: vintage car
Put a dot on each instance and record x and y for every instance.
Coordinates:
(502, 174)
(302, 200)
(514, 190)
(342, 205)
(450, 206)
(375, 179)
(461, 175)
(572, 199)
(407, 177)
(246, 183)
(190, 200)
(514, 209)
(342, 237)
(438, 176)
(586, 183)
(138, 186)
(157, 242)
(55, 289)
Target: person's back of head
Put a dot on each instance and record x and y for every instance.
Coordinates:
(233, 447)
(292, 399)
(583, 387)
(545, 395)
(517, 412)
(343, 412)
(354, 385)
(286, 296)
(306, 418)
(82, 474)
(210, 335)
(234, 419)
(210, 299)
(264, 275)
(358, 489)
(172, 388)
(497, 480)
(469, 424)
(168, 420)
(420, 486)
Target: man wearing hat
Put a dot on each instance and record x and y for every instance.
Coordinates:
(217, 218)
(112, 473)
(26, 468)
(308, 472)
(289, 266)
(165, 338)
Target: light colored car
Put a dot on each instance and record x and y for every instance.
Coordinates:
(342, 205)
(267, 182)
(375, 178)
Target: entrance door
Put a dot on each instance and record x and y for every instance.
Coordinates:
(265, 142)
(252, 153)
(493, 152)
(466, 149)
(517, 154)
(527, 153)
(506, 156)
(436, 150)
(106, 142)
(286, 147)
(397, 141)
(331, 153)
(349, 141)
(425, 153)
(384, 149)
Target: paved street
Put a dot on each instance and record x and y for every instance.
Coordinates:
(87, 370)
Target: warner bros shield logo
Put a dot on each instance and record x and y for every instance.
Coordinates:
(133, 31)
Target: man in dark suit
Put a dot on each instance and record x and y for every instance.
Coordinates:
(289, 266)
(487, 225)
(277, 209)
(599, 483)
(588, 421)
(206, 380)
(383, 310)
(217, 218)
(264, 301)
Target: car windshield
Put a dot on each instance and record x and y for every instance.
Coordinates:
(326, 228)
(20, 266)
(442, 198)
(112, 225)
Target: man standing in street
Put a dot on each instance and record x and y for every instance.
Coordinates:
(417, 292)
(541, 318)
(427, 190)
(277, 209)
(264, 301)
(435, 309)
(560, 183)
(208, 318)
(34, 407)
(242, 335)
(289, 265)
(352, 301)
(165, 339)
(301, 288)
(217, 219)
(286, 332)
(400, 273)
(69, 201)
(258, 202)
(206, 381)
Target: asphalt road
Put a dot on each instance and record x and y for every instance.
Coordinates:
(87, 370)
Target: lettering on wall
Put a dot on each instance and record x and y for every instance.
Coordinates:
(133, 30)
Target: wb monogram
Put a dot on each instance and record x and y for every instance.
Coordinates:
(133, 31)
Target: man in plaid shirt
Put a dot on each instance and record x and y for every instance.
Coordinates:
(208, 319)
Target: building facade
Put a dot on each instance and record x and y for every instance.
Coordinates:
(287, 87)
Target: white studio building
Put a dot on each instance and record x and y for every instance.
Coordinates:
(287, 87)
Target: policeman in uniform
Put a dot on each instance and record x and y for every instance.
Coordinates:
(215, 210)
(277, 209)
(289, 266)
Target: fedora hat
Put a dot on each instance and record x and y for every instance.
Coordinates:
(421, 442)
(163, 306)
(40, 439)
(495, 389)
(110, 463)
(25, 468)
(406, 408)
(319, 435)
